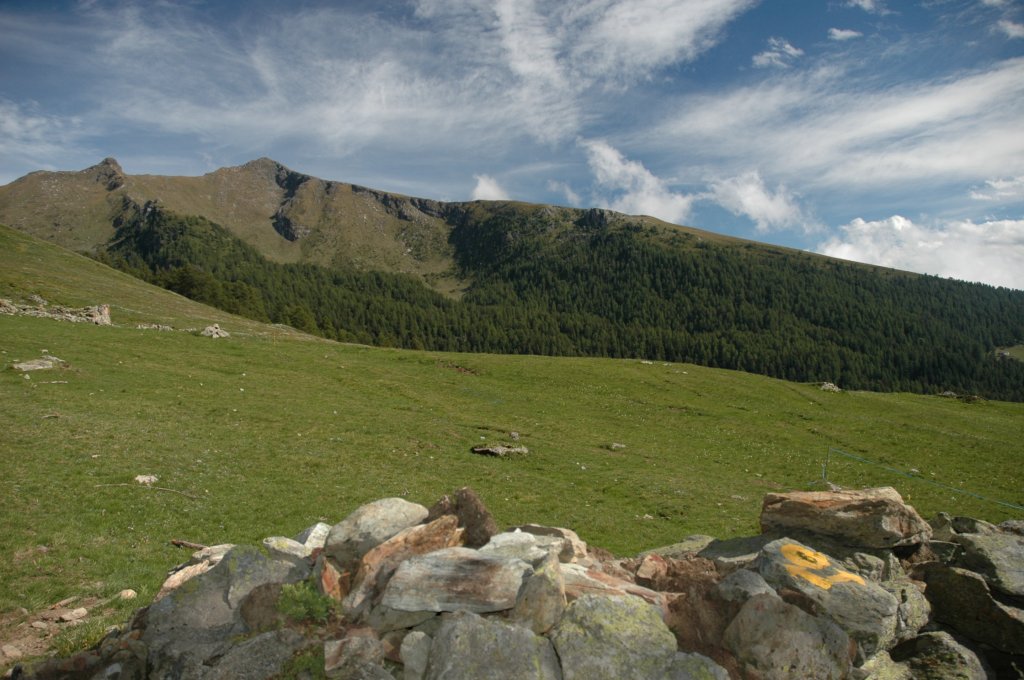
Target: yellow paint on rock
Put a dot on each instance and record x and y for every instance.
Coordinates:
(809, 564)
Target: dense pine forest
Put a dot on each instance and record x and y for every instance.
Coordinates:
(613, 288)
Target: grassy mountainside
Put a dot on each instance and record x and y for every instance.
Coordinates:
(267, 432)
(355, 264)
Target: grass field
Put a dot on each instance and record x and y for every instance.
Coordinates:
(268, 431)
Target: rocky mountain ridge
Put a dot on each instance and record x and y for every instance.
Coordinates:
(840, 584)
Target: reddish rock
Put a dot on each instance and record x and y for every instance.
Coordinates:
(869, 518)
(580, 581)
(331, 581)
(377, 566)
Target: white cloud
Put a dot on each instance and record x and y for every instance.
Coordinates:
(563, 188)
(635, 189)
(1011, 28)
(843, 34)
(26, 133)
(488, 189)
(1000, 189)
(826, 128)
(747, 195)
(779, 53)
(873, 6)
(989, 252)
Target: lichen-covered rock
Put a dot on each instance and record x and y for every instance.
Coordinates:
(454, 579)
(998, 557)
(695, 667)
(541, 601)
(937, 656)
(470, 646)
(777, 640)
(573, 549)
(613, 637)
(912, 611)
(415, 653)
(259, 658)
(962, 600)
(517, 544)
(860, 607)
(315, 536)
(288, 546)
(369, 526)
(195, 623)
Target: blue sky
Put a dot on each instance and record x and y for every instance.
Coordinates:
(875, 130)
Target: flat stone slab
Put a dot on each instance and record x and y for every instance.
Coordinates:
(454, 579)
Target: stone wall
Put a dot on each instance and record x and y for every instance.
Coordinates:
(843, 584)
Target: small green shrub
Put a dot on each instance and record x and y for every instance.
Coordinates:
(308, 665)
(301, 602)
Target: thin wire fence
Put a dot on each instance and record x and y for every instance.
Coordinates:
(918, 478)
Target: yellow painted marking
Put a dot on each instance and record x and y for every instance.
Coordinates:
(807, 564)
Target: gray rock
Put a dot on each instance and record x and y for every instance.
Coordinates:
(743, 584)
(315, 536)
(385, 619)
(517, 544)
(998, 557)
(774, 639)
(415, 652)
(259, 658)
(356, 657)
(962, 600)
(1012, 526)
(937, 656)
(454, 579)
(882, 667)
(695, 667)
(541, 601)
(688, 546)
(574, 548)
(735, 553)
(196, 622)
(868, 518)
(368, 526)
(470, 646)
(613, 637)
(912, 611)
(862, 608)
(288, 546)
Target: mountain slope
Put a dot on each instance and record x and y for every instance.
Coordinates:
(534, 279)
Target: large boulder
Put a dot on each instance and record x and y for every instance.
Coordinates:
(470, 646)
(369, 526)
(773, 639)
(937, 656)
(189, 629)
(613, 637)
(998, 557)
(963, 601)
(862, 608)
(868, 518)
(378, 565)
(454, 579)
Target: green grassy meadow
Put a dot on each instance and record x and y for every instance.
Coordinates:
(269, 431)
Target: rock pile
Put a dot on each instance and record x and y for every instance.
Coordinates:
(850, 584)
(98, 314)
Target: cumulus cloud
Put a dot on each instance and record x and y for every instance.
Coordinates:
(779, 53)
(989, 252)
(1011, 28)
(634, 189)
(488, 189)
(842, 34)
(747, 195)
(1000, 189)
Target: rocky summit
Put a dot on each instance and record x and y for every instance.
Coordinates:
(843, 584)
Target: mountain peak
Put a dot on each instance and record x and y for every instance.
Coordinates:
(107, 172)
